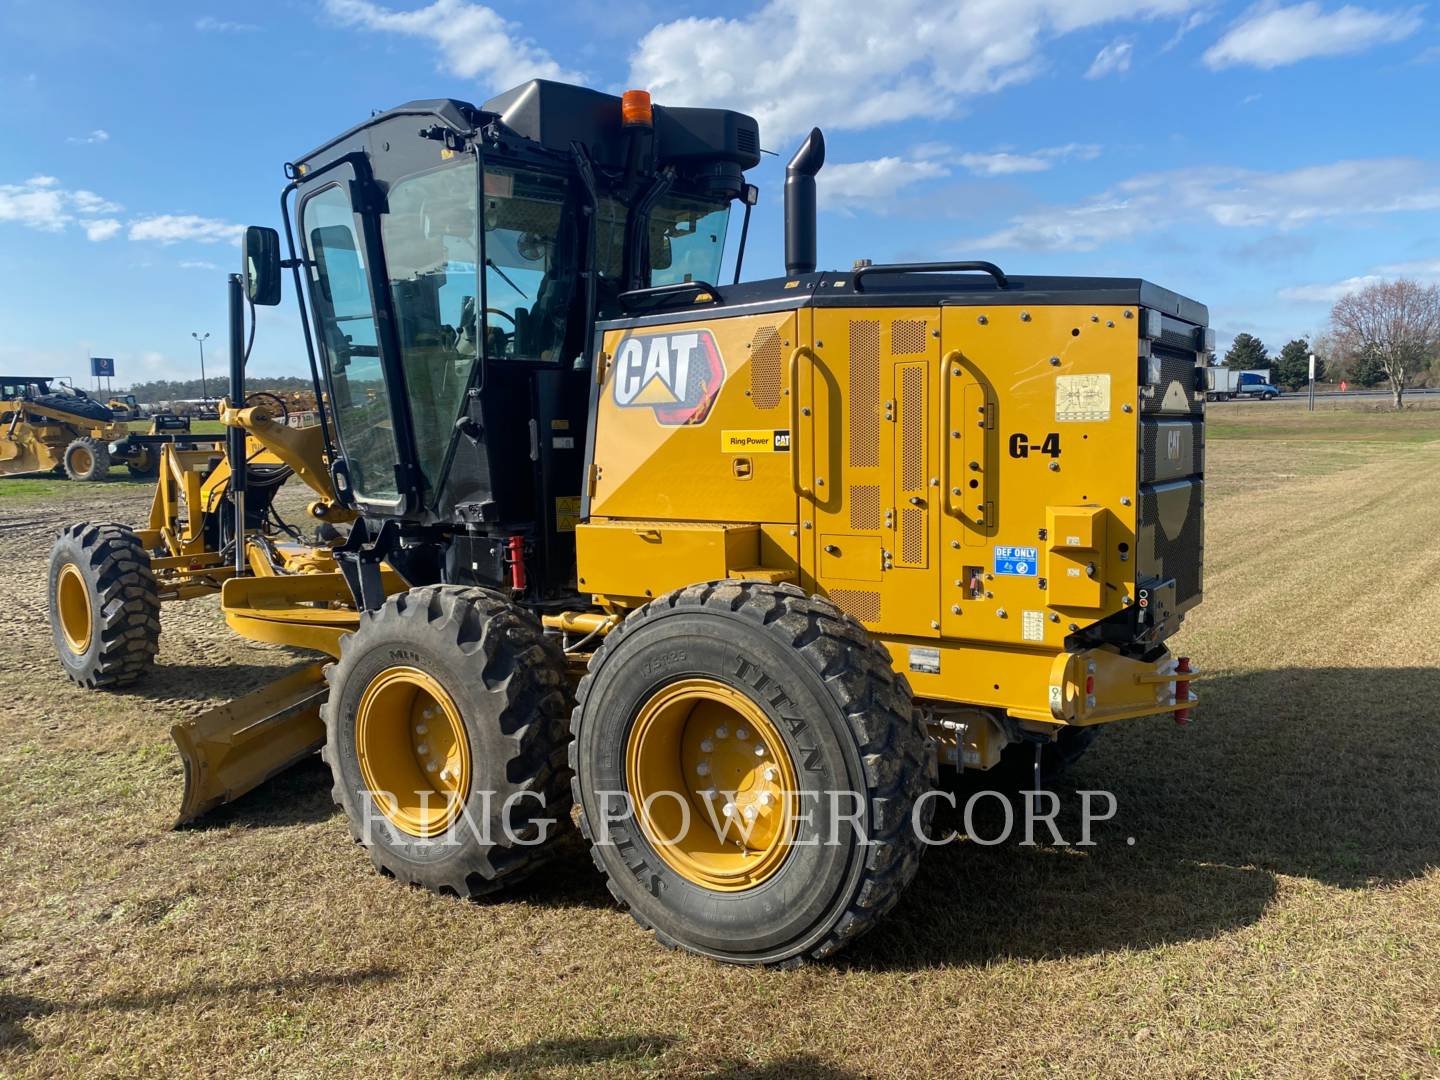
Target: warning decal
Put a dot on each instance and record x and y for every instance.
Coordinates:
(1082, 397)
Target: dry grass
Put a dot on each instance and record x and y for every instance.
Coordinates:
(1276, 915)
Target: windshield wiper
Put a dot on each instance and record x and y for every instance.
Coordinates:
(506, 277)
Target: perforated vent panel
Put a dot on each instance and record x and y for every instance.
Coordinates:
(865, 506)
(912, 536)
(864, 393)
(907, 337)
(861, 603)
(765, 368)
(912, 427)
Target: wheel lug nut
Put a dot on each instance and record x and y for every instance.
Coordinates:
(706, 746)
(420, 729)
(722, 733)
(729, 809)
(703, 769)
(430, 766)
(750, 813)
(759, 751)
(741, 733)
(769, 776)
(422, 749)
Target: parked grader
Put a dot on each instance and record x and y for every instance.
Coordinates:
(592, 528)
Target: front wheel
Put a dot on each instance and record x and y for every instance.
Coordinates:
(104, 605)
(747, 764)
(445, 736)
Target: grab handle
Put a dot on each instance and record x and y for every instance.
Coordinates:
(795, 482)
(949, 369)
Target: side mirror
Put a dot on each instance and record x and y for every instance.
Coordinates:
(262, 265)
(749, 194)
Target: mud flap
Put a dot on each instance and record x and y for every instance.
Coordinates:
(237, 746)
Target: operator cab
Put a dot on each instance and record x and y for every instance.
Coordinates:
(457, 259)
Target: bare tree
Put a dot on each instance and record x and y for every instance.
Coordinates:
(1396, 322)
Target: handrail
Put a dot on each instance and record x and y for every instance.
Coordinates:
(805, 350)
(950, 358)
(931, 268)
(660, 292)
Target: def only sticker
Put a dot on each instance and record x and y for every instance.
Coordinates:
(1016, 561)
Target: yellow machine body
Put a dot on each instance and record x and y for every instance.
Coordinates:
(963, 480)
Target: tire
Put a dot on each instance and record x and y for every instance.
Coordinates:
(105, 569)
(87, 459)
(506, 682)
(847, 722)
(145, 464)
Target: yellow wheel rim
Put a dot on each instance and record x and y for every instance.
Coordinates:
(73, 600)
(81, 460)
(713, 784)
(414, 756)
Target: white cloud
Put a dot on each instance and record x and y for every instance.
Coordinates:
(857, 185)
(858, 63)
(101, 229)
(1113, 59)
(41, 203)
(1005, 162)
(99, 135)
(210, 25)
(198, 264)
(474, 41)
(1270, 35)
(1194, 21)
(1418, 268)
(1327, 294)
(1227, 197)
(173, 228)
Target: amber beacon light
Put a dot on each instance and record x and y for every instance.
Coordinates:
(635, 108)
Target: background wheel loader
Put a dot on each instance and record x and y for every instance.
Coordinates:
(700, 558)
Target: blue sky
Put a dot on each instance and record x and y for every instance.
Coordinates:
(1257, 158)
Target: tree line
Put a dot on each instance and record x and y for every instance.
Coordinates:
(158, 390)
(1386, 333)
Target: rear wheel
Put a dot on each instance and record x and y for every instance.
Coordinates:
(746, 764)
(445, 736)
(87, 459)
(104, 606)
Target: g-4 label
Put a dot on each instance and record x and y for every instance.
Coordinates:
(1022, 447)
(1017, 561)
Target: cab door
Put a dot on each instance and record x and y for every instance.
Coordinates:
(869, 462)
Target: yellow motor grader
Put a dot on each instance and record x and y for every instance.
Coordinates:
(50, 426)
(733, 568)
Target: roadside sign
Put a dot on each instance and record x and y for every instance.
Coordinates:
(102, 367)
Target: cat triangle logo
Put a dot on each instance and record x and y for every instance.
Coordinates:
(675, 374)
(655, 392)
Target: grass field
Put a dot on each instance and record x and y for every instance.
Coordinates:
(1277, 914)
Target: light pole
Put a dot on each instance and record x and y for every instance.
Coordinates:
(204, 389)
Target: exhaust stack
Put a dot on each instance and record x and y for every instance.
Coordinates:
(800, 204)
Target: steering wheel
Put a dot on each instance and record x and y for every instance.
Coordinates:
(503, 314)
(284, 409)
